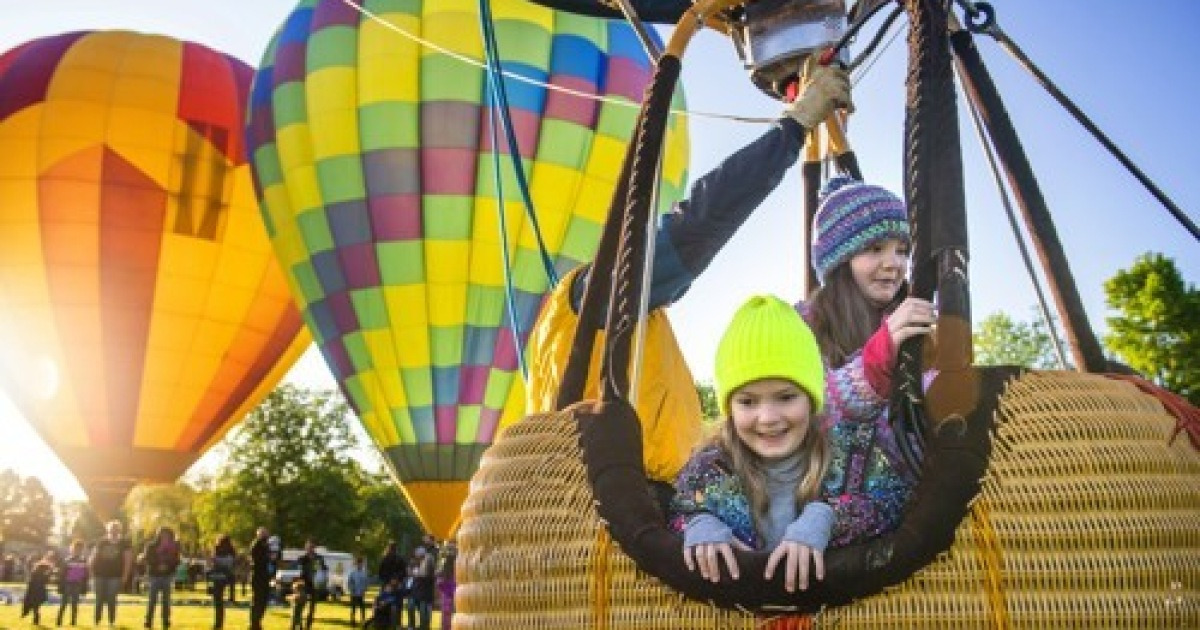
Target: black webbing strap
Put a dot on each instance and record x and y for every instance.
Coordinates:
(615, 279)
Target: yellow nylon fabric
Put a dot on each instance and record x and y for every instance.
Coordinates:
(667, 404)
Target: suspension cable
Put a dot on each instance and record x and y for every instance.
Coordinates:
(981, 19)
(500, 102)
(1043, 306)
(653, 50)
(509, 297)
(611, 100)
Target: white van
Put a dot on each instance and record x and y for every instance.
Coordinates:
(331, 581)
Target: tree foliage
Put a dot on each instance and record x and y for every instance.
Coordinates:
(708, 400)
(1000, 340)
(386, 518)
(79, 521)
(1157, 330)
(26, 509)
(290, 468)
(152, 506)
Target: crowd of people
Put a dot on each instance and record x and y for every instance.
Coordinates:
(409, 584)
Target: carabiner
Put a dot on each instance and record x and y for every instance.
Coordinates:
(980, 17)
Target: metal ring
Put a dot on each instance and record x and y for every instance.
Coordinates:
(980, 17)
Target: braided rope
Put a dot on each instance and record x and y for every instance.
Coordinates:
(933, 192)
(627, 283)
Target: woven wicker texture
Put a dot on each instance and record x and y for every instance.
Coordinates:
(1088, 519)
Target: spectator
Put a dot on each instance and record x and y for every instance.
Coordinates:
(162, 558)
(301, 594)
(311, 563)
(241, 571)
(261, 572)
(37, 588)
(420, 602)
(385, 614)
(392, 565)
(111, 564)
(221, 577)
(73, 581)
(445, 581)
(356, 584)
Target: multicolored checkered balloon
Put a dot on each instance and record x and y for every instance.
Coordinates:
(373, 160)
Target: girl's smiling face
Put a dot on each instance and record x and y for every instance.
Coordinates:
(879, 270)
(771, 416)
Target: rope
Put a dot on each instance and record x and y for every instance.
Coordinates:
(982, 91)
(627, 281)
(873, 44)
(1187, 415)
(500, 101)
(1043, 306)
(934, 194)
(509, 297)
(611, 100)
(635, 22)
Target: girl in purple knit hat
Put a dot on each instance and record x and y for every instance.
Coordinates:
(860, 315)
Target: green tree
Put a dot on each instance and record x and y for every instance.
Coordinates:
(289, 467)
(1157, 331)
(26, 509)
(708, 400)
(154, 505)
(386, 517)
(1001, 340)
(80, 522)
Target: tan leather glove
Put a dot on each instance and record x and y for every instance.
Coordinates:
(829, 87)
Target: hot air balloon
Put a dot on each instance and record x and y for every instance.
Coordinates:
(372, 154)
(143, 311)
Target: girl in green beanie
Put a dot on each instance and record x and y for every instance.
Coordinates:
(756, 484)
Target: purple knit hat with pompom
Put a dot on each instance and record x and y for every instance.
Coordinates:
(850, 217)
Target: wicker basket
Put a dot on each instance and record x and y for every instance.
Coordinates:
(1088, 518)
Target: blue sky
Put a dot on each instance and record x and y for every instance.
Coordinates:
(1128, 66)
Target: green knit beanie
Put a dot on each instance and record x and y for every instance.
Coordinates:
(768, 339)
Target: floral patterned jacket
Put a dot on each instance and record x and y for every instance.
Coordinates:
(867, 483)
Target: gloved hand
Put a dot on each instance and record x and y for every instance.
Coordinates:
(829, 87)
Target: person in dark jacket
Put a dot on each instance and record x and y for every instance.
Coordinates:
(420, 597)
(262, 569)
(37, 588)
(73, 581)
(162, 559)
(392, 565)
(310, 564)
(221, 577)
(111, 565)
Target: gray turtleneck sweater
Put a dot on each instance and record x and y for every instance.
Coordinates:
(811, 527)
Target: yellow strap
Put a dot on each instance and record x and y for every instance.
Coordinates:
(990, 553)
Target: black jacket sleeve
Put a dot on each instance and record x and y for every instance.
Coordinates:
(717, 205)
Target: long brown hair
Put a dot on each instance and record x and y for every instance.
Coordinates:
(841, 316)
(748, 466)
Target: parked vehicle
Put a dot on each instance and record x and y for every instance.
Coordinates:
(330, 582)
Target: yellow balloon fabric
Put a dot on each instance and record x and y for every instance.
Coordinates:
(373, 158)
(667, 404)
(141, 310)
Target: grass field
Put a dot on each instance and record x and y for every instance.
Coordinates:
(190, 610)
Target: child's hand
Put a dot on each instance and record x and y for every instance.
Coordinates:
(798, 556)
(707, 556)
(913, 317)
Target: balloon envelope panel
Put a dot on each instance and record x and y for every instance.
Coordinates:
(141, 307)
(373, 157)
